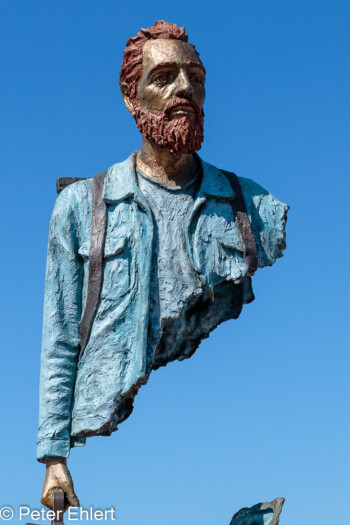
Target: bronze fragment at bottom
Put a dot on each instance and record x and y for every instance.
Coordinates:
(260, 514)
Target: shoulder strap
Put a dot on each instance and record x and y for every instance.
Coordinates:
(243, 223)
(63, 182)
(97, 240)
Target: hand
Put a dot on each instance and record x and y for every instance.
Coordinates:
(58, 477)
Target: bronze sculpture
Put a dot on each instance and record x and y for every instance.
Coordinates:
(145, 260)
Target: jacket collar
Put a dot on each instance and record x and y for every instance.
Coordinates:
(121, 182)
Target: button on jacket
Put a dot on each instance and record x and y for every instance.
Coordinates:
(91, 397)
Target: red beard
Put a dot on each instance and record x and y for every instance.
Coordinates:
(180, 135)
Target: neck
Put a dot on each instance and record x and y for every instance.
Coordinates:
(163, 166)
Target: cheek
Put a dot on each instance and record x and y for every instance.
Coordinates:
(151, 97)
(200, 95)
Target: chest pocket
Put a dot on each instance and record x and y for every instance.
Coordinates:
(228, 258)
(116, 267)
(217, 245)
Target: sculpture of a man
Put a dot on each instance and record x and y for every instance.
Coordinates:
(181, 240)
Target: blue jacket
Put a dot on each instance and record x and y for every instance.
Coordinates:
(89, 398)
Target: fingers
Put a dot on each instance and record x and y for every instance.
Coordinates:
(68, 489)
(47, 499)
(73, 500)
(58, 477)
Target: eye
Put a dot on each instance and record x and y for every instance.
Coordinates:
(162, 78)
(197, 79)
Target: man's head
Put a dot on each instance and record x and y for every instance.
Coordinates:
(162, 80)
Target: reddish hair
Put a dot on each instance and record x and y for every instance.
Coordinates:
(131, 69)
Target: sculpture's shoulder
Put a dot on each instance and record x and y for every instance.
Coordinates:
(76, 192)
(268, 216)
(75, 199)
(71, 215)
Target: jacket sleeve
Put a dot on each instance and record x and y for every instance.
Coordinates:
(268, 216)
(60, 344)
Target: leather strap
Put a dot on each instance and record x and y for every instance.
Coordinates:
(97, 240)
(98, 230)
(58, 507)
(243, 223)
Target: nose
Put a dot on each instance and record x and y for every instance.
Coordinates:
(183, 86)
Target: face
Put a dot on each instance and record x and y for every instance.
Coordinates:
(170, 95)
(170, 69)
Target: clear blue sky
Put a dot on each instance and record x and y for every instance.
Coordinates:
(262, 409)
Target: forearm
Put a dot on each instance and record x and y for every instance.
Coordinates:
(60, 347)
(58, 371)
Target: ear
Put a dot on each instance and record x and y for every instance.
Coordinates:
(125, 89)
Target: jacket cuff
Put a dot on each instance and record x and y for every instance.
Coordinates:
(52, 448)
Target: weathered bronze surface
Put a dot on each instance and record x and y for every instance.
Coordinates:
(58, 477)
(63, 182)
(163, 86)
(58, 507)
(172, 80)
(243, 224)
(260, 514)
(98, 229)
